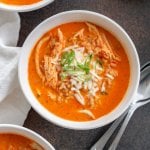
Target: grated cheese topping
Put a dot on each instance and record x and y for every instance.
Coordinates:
(82, 66)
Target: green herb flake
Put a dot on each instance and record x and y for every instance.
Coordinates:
(67, 58)
(99, 62)
(71, 66)
(63, 75)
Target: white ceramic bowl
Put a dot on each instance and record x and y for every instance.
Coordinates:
(74, 16)
(25, 8)
(15, 129)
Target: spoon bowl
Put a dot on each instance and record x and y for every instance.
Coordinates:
(144, 85)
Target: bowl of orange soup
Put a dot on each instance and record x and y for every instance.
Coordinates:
(79, 69)
(13, 137)
(23, 5)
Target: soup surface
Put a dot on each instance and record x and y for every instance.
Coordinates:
(17, 142)
(19, 2)
(78, 71)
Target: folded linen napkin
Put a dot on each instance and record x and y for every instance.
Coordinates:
(13, 105)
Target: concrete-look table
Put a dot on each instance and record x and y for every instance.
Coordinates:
(134, 17)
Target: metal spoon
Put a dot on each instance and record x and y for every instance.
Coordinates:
(144, 82)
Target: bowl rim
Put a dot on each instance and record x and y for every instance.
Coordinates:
(25, 8)
(74, 124)
(23, 131)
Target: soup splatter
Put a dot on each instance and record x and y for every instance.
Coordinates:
(79, 71)
(17, 142)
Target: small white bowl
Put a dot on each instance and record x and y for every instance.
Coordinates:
(15, 129)
(74, 16)
(25, 8)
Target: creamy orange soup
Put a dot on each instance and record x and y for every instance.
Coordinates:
(79, 71)
(17, 142)
(19, 2)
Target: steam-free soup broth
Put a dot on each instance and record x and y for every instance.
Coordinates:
(79, 71)
(10, 141)
(19, 2)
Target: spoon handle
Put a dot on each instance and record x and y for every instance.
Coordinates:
(100, 144)
(132, 109)
(115, 142)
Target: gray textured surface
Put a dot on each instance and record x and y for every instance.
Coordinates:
(134, 17)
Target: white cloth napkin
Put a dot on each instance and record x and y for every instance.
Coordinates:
(13, 105)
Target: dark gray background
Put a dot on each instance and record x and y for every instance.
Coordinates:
(134, 17)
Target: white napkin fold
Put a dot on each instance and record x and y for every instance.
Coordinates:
(13, 106)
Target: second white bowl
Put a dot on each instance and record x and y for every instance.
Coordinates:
(15, 129)
(25, 8)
